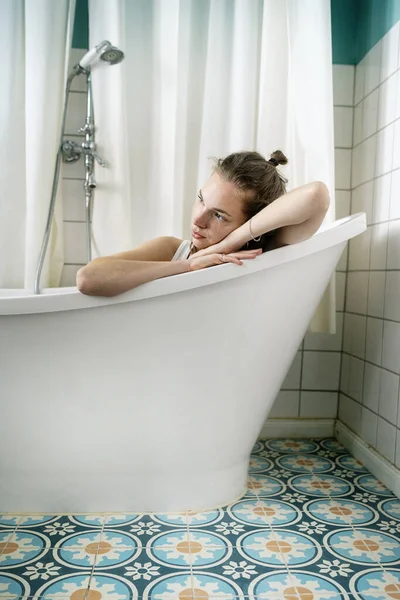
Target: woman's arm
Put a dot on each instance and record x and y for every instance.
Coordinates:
(113, 275)
(118, 273)
(296, 215)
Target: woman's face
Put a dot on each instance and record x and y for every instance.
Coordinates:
(217, 212)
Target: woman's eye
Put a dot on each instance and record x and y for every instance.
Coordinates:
(219, 217)
(200, 199)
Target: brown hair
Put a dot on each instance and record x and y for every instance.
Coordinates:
(251, 172)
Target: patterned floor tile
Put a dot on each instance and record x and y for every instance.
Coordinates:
(314, 524)
(29, 574)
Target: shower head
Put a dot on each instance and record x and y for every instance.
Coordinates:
(106, 51)
(112, 55)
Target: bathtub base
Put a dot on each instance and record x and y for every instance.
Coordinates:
(60, 493)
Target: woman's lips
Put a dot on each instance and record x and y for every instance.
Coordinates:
(197, 236)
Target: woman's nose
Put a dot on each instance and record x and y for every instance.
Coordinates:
(200, 218)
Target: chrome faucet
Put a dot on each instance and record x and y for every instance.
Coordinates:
(70, 151)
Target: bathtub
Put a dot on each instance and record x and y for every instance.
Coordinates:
(152, 400)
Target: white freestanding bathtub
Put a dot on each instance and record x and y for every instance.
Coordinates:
(152, 400)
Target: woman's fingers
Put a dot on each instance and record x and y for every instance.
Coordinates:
(246, 253)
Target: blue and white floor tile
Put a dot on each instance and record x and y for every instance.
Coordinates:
(314, 524)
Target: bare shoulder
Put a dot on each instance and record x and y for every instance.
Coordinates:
(159, 249)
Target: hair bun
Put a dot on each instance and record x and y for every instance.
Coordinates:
(279, 158)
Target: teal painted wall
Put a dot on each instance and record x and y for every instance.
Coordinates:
(374, 19)
(344, 26)
(356, 26)
(80, 36)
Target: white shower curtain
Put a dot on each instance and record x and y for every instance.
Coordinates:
(205, 78)
(35, 38)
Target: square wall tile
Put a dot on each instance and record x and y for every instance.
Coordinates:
(326, 341)
(75, 243)
(392, 296)
(342, 203)
(354, 335)
(343, 84)
(395, 194)
(359, 85)
(359, 249)
(372, 383)
(376, 293)
(76, 113)
(321, 370)
(387, 102)
(388, 396)
(381, 203)
(73, 200)
(286, 405)
(397, 457)
(370, 114)
(384, 150)
(369, 426)
(362, 200)
(319, 405)
(373, 347)
(350, 413)
(391, 346)
(345, 374)
(396, 145)
(68, 277)
(357, 292)
(356, 378)
(292, 379)
(386, 439)
(358, 126)
(379, 238)
(342, 169)
(340, 287)
(389, 52)
(343, 121)
(368, 149)
(372, 68)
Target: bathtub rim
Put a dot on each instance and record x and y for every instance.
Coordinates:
(23, 301)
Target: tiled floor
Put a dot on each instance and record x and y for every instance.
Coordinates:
(313, 525)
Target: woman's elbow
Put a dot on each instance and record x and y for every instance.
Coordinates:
(320, 196)
(86, 283)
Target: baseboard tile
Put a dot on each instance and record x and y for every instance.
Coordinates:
(381, 468)
(304, 428)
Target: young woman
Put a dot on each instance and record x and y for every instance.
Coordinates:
(241, 211)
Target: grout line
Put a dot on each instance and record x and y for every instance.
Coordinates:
(95, 561)
(379, 84)
(369, 180)
(372, 317)
(370, 409)
(375, 134)
(370, 363)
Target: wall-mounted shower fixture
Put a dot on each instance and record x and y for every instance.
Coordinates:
(71, 152)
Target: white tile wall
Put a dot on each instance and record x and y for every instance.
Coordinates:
(72, 177)
(371, 344)
(369, 426)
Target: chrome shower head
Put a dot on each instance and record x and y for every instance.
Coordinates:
(105, 51)
(112, 55)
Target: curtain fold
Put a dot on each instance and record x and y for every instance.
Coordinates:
(202, 79)
(37, 35)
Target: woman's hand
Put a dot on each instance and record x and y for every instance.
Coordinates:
(201, 260)
(226, 246)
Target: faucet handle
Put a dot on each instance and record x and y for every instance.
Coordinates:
(98, 158)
